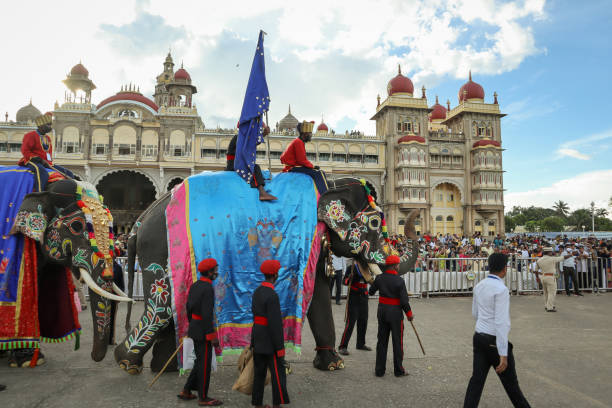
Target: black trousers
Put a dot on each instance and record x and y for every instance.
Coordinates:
(485, 357)
(396, 329)
(258, 178)
(357, 308)
(317, 175)
(263, 363)
(337, 279)
(199, 378)
(567, 271)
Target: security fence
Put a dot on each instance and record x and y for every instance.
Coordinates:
(456, 276)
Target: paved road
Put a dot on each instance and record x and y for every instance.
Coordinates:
(564, 359)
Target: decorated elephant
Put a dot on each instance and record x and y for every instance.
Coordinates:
(47, 237)
(346, 220)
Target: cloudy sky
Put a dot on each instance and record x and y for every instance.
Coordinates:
(549, 62)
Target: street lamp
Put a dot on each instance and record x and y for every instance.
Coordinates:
(593, 216)
(583, 231)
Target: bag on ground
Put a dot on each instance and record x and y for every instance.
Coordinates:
(246, 373)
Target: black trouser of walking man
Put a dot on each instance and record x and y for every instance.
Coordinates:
(357, 311)
(199, 378)
(567, 271)
(263, 363)
(337, 279)
(485, 357)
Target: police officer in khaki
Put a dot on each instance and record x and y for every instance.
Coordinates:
(548, 265)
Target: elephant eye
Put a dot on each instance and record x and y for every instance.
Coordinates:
(374, 222)
(76, 227)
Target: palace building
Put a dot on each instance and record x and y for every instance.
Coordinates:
(444, 162)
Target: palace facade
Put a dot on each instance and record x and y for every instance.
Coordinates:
(445, 162)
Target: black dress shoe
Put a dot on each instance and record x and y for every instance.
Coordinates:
(404, 374)
(366, 348)
(379, 374)
(343, 351)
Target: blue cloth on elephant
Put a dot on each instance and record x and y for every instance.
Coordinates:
(229, 223)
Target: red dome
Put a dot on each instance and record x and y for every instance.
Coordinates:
(473, 90)
(486, 142)
(129, 96)
(322, 127)
(411, 138)
(182, 74)
(79, 69)
(400, 84)
(438, 111)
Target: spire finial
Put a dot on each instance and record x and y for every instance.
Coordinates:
(470, 74)
(181, 64)
(423, 89)
(495, 98)
(290, 108)
(30, 100)
(437, 100)
(399, 69)
(448, 105)
(378, 100)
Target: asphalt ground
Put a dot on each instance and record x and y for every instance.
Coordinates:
(563, 359)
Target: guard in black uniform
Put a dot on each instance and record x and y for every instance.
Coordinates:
(267, 339)
(200, 312)
(257, 181)
(393, 300)
(356, 309)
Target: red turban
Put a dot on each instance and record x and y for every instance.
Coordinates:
(392, 260)
(270, 267)
(207, 264)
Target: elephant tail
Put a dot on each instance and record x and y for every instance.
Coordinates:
(131, 248)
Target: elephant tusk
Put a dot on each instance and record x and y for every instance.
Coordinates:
(119, 291)
(97, 289)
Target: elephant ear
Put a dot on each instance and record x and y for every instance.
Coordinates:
(336, 210)
(33, 216)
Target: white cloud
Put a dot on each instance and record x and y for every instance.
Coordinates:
(573, 153)
(323, 57)
(577, 191)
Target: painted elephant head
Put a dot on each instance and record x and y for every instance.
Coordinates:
(74, 229)
(356, 227)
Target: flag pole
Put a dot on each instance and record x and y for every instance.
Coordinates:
(268, 147)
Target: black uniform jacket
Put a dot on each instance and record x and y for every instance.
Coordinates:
(267, 336)
(393, 296)
(358, 284)
(200, 304)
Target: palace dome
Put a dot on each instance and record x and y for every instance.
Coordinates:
(182, 74)
(486, 142)
(322, 127)
(471, 90)
(438, 111)
(400, 84)
(129, 96)
(411, 139)
(79, 69)
(28, 113)
(289, 122)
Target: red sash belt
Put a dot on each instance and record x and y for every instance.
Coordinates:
(260, 320)
(230, 157)
(358, 286)
(389, 301)
(196, 317)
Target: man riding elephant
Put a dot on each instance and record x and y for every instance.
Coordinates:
(355, 229)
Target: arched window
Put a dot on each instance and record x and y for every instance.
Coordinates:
(477, 223)
(491, 223)
(450, 218)
(439, 218)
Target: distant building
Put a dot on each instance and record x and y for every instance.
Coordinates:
(446, 164)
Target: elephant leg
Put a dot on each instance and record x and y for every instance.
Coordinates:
(155, 318)
(321, 322)
(163, 349)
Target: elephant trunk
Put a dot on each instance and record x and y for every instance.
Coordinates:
(409, 257)
(102, 316)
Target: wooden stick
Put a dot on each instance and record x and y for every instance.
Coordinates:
(166, 365)
(417, 336)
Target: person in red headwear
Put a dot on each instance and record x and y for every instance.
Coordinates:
(392, 304)
(200, 313)
(267, 339)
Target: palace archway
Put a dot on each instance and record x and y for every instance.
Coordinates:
(446, 211)
(126, 193)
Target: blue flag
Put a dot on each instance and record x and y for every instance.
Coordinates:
(250, 125)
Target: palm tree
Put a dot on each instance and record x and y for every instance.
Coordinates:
(601, 212)
(610, 202)
(562, 208)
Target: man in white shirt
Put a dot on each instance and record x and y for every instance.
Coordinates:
(477, 243)
(569, 269)
(491, 309)
(339, 264)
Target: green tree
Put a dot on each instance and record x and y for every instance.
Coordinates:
(561, 208)
(554, 223)
(579, 218)
(509, 222)
(601, 212)
(532, 226)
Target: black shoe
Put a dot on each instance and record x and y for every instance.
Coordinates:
(379, 374)
(2, 387)
(343, 351)
(365, 348)
(551, 310)
(402, 374)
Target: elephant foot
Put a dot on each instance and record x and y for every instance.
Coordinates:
(24, 357)
(327, 359)
(130, 362)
